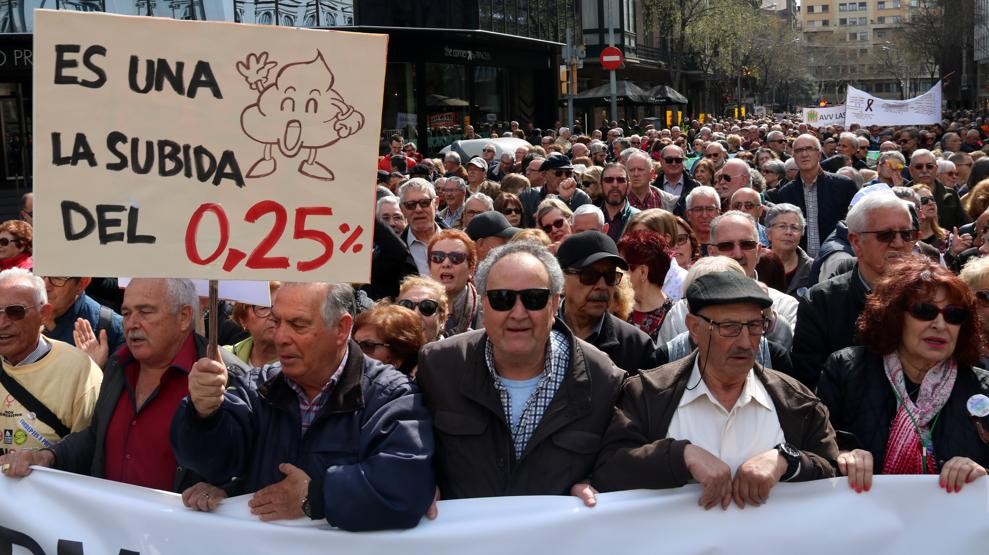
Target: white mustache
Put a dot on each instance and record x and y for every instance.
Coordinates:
(136, 335)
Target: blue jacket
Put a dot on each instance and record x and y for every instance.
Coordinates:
(368, 452)
(85, 307)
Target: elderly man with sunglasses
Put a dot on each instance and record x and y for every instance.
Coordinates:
(593, 268)
(520, 407)
(923, 170)
(557, 174)
(674, 179)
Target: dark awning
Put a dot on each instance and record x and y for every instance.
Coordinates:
(665, 94)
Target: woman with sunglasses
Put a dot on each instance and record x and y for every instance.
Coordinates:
(452, 257)
(15, 245)
(590, 182)
(391, 334)
(785, 226)
(511, 206)
(930, 232)
(910, 401)
(258, 348)
(556, 219)
(426, 297)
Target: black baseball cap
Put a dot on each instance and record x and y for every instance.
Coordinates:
(726, 287)
(580, 250)
(556, 161)
(490, 224)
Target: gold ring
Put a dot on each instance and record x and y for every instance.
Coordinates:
(4, 467)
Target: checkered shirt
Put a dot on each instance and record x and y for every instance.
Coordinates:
(652, 200)
(555, 369)
(309, 409)
(810, 214)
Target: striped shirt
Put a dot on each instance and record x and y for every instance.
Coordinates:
(308, 409)
(810, 214)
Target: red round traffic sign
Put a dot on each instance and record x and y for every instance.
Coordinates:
(611, 58)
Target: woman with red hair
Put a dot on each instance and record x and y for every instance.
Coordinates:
(452, 259)
(648, 262)
(910, 401)
(15, 245)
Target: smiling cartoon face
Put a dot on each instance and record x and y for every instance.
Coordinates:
(299, 110)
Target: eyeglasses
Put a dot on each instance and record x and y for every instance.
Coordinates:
(503, 300)
(926, 312)
(4, 242)
(511, 211)
(423, 203)
(614, 179)
(748, 205)
(15, 311)
(950, 174)
(983, 296)
(473, 213)
(261, 311)
(787, 227)
(924, 166)
(57, 281)
(734, 329)
(557, 224)
(704, 209)
(745, 245)
(590, 276)
(682, 238)
(926, 200)
(889, 235)
(426, 307)
(777, 140)
(805, 150)
(369, 346)
(711, 154)
(437, 257)
(563, 173)
(673, 160)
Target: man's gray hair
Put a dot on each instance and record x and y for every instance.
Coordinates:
(391, 199)
(894, 154)
(785, 208)
(590, 209)
(180, 293)
(488, 202)
(458, 181)
(774, 135)
(416, 184)
(339, 301)
(37, 284)
(775, 166)
(817, 142)
(536, 250)
(945, 166)
(790, 164)
(716, 223)
(860, 215)
(847, 136)
(921, 152)
(701, 191)
(451, 157)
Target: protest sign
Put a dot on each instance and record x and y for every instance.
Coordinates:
(169, 148)
(823, 117)
(864, 109)
(55, 512)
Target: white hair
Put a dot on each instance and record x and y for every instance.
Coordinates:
(590, 209)
(37, 284)
(859, 215)
(488, 202)
(701, 191)
(416, 184)
(390, 199)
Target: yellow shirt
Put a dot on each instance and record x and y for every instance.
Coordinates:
(65, 380)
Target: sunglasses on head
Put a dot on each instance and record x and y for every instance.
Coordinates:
(745, 245)
(426, 307)
(926, 312)
(557, 224)
(889, 235)
(614, 179)
(4, 242)
(437, 257)
(15, 311)
(673, 160)
(563, 173)
(590, 276)
(423, 203)
(503, 300)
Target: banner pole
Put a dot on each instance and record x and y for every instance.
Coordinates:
(214, 320)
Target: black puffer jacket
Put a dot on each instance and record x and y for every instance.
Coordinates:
(861, 402)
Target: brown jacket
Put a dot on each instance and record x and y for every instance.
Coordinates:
(474, 452)
(637, 453)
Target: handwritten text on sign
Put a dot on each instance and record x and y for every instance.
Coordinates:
(204, 150)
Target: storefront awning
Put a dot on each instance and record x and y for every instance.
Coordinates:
(629, 92)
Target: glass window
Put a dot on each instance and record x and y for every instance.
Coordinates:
(490, 96)
(399, 114)
(446, 105)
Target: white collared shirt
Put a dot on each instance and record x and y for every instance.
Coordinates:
(419, 252)
(751, 427)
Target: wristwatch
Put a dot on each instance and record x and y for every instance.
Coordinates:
(307, 507)
(792, 457)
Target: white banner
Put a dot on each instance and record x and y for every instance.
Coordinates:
(823, 117)
(54, 512)
(865, 109)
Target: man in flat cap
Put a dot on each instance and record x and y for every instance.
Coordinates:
(717, 417)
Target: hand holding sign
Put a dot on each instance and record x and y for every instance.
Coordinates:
(207, 382)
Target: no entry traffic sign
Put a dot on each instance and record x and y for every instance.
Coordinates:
(611, 58)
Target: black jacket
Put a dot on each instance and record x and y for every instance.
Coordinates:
(688, 185)
(82, 452)
(862, 405)
(475, 456)
(630, 348)
(834, 194)
(826, 323)
(391, 262)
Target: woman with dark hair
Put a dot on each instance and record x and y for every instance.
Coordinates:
(910, 401)
(15, 245)
(511, 207)
(391, 334)
(648, 261)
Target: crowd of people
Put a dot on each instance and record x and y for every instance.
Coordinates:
(732, 304)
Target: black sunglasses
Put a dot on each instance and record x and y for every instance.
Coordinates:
(590, 276)
(673, 160)
(926, 200)
(557, 223)
(926, 312)
(422, 203)
(745, 245)
(503, 300)
(426, 307)
(510, 211)
(614, 179)
(438, 257)
(725, 177)
(15, 311)
(889, 235)
(561, 173)
(4, 242)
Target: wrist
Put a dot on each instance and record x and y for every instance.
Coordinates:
(46, 457)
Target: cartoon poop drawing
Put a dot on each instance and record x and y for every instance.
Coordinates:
(299, 110)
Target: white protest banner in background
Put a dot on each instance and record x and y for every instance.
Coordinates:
(864, 109)
(168, 148)
(54, 512)
(823, 117)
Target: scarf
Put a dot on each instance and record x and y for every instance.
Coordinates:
(910, 445)
(464, 313)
